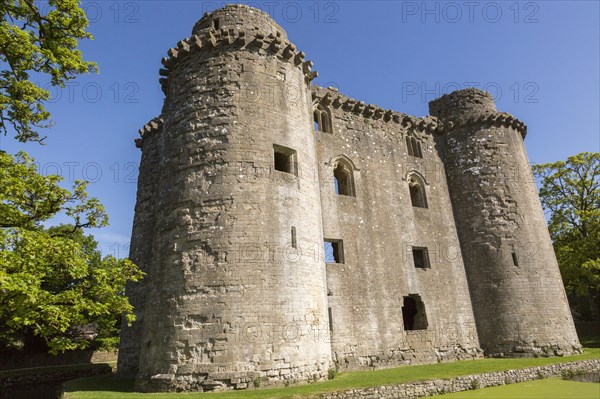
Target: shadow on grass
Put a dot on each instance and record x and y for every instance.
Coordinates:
(105, 368)
(101, 383)
(590, 341)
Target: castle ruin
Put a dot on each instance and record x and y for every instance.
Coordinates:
(286, 229)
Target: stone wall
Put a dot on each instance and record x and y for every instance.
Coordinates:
(33, 377)
(465, 383)
(19, 361)
(379, 226)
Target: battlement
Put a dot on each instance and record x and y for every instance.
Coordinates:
(463, 103)
(242, 28)
(150, 128)
(468, 107)
(331, 97)
(462, 108)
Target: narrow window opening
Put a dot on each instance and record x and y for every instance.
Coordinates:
(417, 149)
(334, 251)
(317, 120)
(417, 193)
(325, 122)
(216, 23)
(285, 160)
(515, 259)
(322, 121)
(414, 147)
(421, 258)
(294, 242)
(330, 319)
(409, 146)
(413, 313)
(343, 180)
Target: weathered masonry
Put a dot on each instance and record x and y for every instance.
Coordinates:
(286, 229)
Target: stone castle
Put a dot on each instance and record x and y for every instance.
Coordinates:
(287, 229)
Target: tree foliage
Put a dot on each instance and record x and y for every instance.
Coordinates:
(39, 43)
(53, 279)
(570, 192)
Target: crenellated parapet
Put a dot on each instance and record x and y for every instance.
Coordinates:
(472, 107)
(330, 97)
(150, 128)
(486, 120)
(440, 124)
(235, 39)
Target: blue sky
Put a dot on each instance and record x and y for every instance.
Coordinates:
(540, 59)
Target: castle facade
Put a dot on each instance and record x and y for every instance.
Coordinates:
(286, 229)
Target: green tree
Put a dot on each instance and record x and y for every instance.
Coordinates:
(43, 43)
(570, 193)
(53, 280)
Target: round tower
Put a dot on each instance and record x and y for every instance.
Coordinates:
(235, 288)
(518, 297)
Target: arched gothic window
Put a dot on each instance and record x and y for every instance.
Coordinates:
(343, 178)
(418, 197)
(322, 120)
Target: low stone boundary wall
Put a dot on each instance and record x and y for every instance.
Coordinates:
(19, 361)
(465, 383)
(34, 377)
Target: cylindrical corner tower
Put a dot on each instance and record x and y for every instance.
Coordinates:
(518, 297)
(235, 292)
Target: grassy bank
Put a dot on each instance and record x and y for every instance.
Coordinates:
(107, 387)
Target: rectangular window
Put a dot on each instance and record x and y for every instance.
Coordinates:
(334, 251)
(330, 319)
(285, 159)
(421, 257)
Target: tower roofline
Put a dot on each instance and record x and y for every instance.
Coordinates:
(472, 106)
(227, 38)
(239, 15)
(464, 102)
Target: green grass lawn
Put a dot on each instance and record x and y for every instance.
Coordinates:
(552, 388)
(108, 387)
